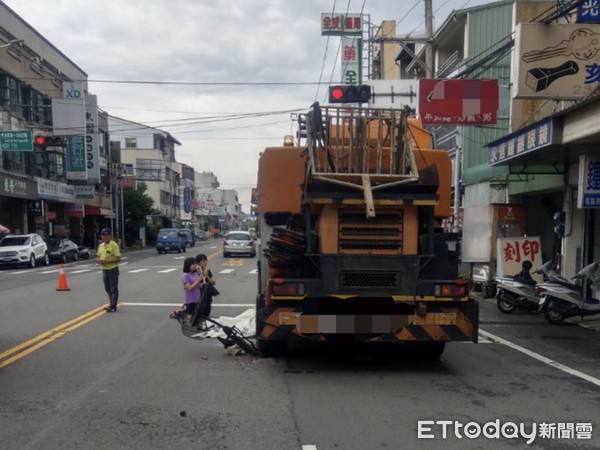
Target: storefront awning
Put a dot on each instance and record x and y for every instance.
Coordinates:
(96, 211)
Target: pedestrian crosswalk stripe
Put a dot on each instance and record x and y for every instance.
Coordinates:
(166, 270)
(50, 271)
(227, 270)
(254, 271)
(137, 270)
(81, 271)
(124, 263)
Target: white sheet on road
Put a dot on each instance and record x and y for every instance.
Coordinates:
(245, 322)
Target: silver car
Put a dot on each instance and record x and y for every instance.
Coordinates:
(239, 243)
(26, 249)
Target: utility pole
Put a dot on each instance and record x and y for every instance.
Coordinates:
(428, 37)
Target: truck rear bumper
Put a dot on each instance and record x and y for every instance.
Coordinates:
(441, 322)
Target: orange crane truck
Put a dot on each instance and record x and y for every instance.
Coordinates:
(351, 248)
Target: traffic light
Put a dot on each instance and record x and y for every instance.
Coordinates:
(349, 93)
(49, 141)
(301, 133)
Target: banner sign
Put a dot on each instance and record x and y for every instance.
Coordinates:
(17, 187)
(529, 139)
(458, 102)
(84, 191)
(92, 147)
(34, 208)
(55, 190)
(513, 252)
(556, 61)
(76, 167)
(588, 192)
(341, 24)
(588, 12)
(351, 60)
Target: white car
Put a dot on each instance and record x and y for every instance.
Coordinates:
(26, 249)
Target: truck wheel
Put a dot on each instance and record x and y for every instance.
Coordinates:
(271, 348)
(503, 305)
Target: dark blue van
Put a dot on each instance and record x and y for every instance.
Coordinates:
(169, 239)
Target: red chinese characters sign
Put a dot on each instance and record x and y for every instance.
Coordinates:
(341, 24)
(513, 252)
(458, 102)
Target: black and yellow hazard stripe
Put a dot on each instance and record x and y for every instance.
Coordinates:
(441, 322)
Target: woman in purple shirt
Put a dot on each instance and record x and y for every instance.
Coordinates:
(191, 285)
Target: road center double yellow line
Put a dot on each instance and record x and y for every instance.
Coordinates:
(17, 352)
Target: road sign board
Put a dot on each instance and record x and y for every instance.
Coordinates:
(16, 141)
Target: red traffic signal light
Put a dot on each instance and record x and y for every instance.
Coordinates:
(349, 94)
(49, 141)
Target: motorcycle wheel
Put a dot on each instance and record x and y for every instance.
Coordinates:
(503, 305)
(553, 316)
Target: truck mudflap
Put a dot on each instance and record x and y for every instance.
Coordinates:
(436, 322)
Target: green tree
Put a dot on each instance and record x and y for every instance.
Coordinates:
(137, 206)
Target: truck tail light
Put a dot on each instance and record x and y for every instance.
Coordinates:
(282, 287)
(456, 289)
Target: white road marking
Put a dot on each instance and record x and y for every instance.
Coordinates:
(309, 447)
(227, 270)
(137, 270)
(81, 271)
(179, 257)
(541, 358)
(254, 271)
(19, 272)
(50, 271)
(124, 263)
(166, 270)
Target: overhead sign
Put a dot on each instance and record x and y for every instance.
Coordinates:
(556, 61)
(458, 102)
(16, 141)
(341, 24)
(588, 192)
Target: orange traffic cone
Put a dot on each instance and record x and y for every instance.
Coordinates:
(62, 280)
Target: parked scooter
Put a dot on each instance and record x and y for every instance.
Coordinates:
(517, 292)
(562, 300)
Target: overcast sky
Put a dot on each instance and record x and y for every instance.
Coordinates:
(212, 43)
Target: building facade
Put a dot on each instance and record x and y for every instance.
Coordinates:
(40, 192)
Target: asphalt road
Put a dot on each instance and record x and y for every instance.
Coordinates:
(74, 377)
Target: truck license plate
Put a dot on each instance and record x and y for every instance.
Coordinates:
(435, 319)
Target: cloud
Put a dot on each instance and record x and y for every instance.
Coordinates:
(200, 41)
